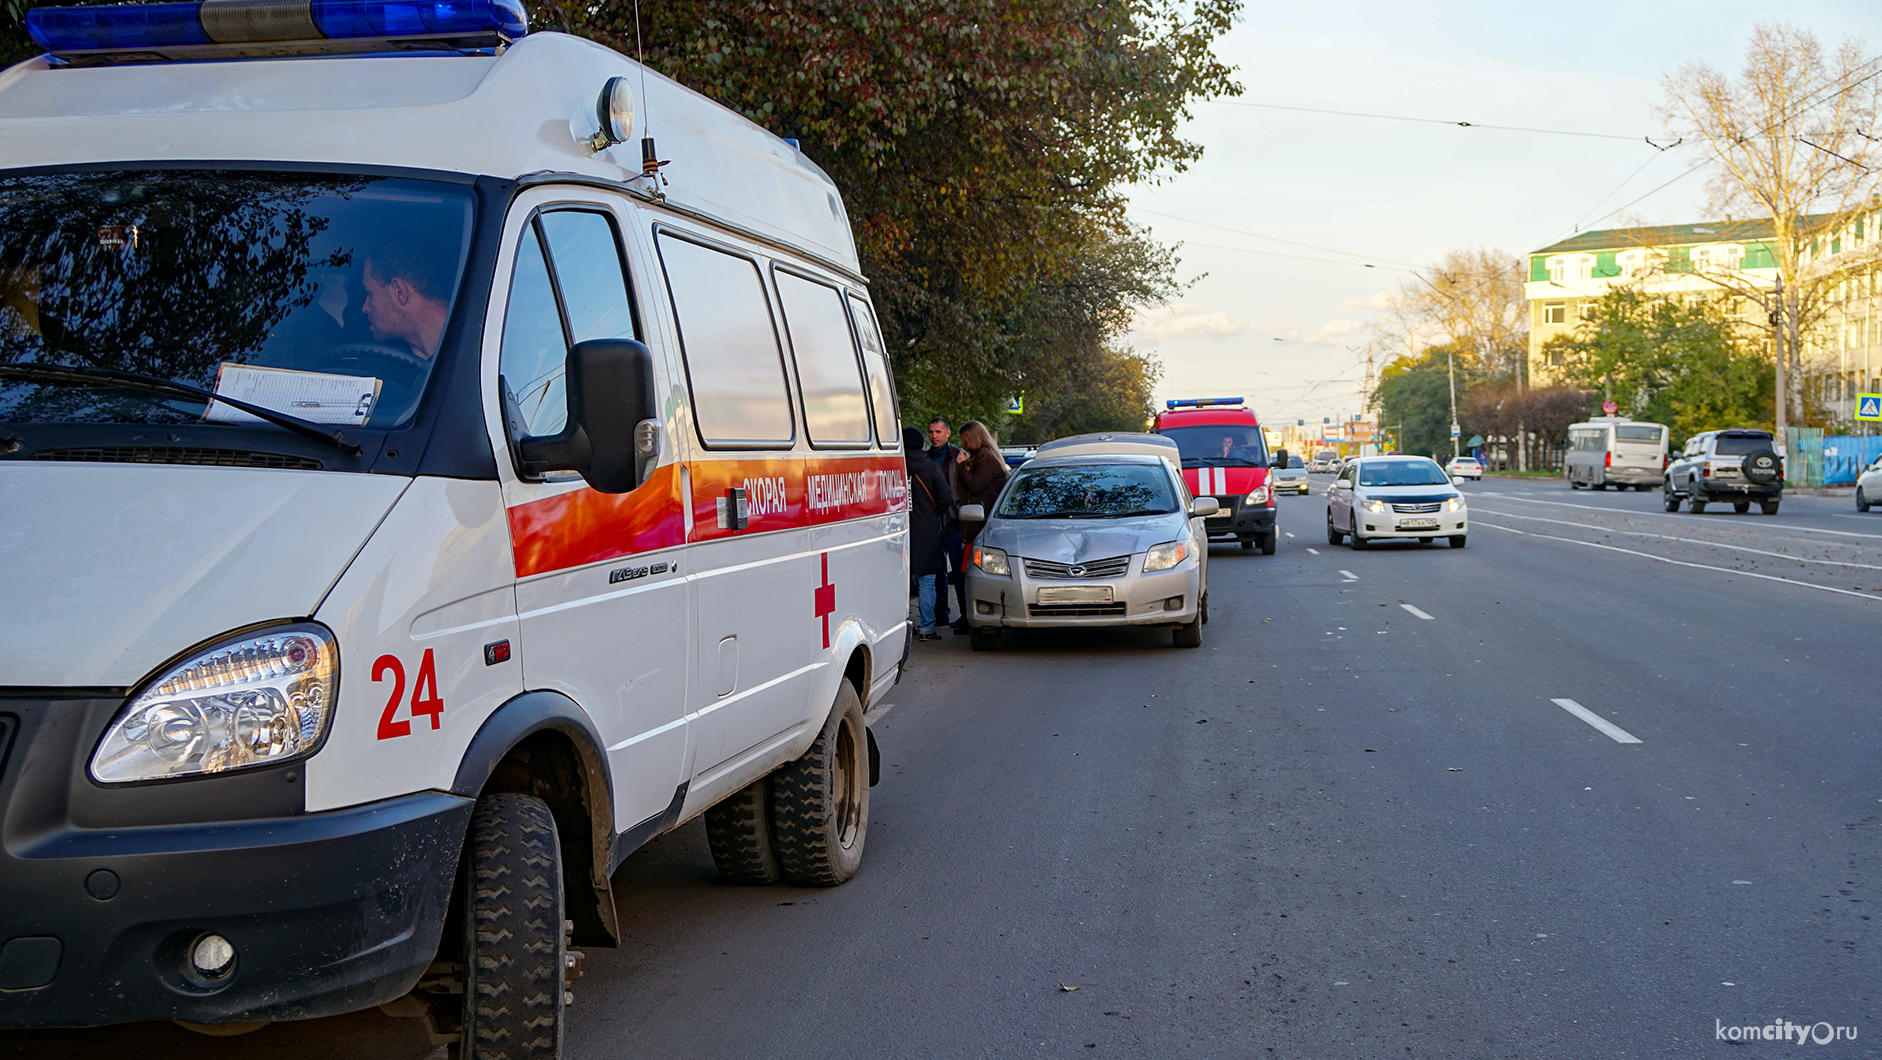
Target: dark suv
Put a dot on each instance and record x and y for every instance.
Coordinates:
(1738, 466)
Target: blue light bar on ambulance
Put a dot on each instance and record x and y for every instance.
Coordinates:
(236, 28)
(1197, 403)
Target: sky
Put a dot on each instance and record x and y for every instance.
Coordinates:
(1295, 225)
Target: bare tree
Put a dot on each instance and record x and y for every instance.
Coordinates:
(1792, 140)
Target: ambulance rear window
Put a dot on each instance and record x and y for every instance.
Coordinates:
(197, 276)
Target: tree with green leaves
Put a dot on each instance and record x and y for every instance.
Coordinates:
(1668, 360)
(1414, 400)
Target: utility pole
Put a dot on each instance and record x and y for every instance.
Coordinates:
(1782, 357)
(1451, 357)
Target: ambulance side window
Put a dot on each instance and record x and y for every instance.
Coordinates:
(734, 365)
(828, 373)
(535, 348)
(881, 385)
(587, 260)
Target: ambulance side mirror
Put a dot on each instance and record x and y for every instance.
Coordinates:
(1280, 458)
(613, 433)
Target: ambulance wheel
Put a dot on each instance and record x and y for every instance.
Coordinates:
(1269, 540)
(983, 638)
(1187, 635)
(738, 831)
(515, 946)
(820, 803)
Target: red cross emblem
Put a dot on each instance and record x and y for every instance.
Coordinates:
(826, 599)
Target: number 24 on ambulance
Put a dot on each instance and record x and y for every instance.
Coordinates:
(434, 499)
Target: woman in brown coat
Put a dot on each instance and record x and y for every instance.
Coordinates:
(979, 474)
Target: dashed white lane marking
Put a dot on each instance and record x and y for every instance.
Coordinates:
(1313, 552)
(1285, 532)
(1417, 612)
(1615, 732)
(1695, 566)
(1349, 576)
(1685, 540)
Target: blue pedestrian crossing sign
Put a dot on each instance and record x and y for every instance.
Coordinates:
(1869, 406)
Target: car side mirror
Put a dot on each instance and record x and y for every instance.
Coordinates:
(613, 434)
(1280, 458)
(973, 513)
(1342, 484)
(1202, 506)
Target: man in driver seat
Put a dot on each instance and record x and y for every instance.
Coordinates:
(406, 296)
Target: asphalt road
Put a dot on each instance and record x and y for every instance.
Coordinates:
(1361, 821)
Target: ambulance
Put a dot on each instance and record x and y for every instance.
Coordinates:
(435, 459)
(1226, 456)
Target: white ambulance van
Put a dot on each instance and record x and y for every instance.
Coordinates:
(419, 487)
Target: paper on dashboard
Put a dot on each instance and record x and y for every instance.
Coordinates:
(318, 397)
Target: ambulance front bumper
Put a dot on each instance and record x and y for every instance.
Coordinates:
(1236, 518)
(105, 901)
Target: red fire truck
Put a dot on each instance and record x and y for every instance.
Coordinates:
(1225, 456)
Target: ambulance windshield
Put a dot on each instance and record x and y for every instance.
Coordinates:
(1220, 445)
(342, 285)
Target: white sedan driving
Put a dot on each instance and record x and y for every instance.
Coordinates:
(1383, 498)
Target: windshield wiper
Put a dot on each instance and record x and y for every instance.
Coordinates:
(68, 375)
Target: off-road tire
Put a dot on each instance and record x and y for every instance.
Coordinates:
(1187, 635)
(1695, 503)
(820, 803)
(515, 948)
(1457, 540)
(1741, 507)
(983, 638)
(1862, 502)
(1760, 467)
(738, 832)
(1668, 499)
(1768, 507)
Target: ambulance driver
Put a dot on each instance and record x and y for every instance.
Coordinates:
(407, 294)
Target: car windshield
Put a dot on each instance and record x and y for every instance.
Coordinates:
(1219, 445)
(1087, 491)
(1411, 472)
(289, 290)
(1741, 444)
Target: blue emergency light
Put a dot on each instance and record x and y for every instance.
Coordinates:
(1196, 403)
(231, 27)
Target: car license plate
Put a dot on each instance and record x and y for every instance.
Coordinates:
(1075, 594)
(1417, 524)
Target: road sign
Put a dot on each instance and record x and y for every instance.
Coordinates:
(1016, 405)
(1609, 408)
(1455, 430)
(1869, 406)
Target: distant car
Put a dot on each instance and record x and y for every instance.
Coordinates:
(1464, 467)
(1869, 486)
(1292, 478)
(1395, 497)
(1015, 455)
(1737, 466)
(1091, 539)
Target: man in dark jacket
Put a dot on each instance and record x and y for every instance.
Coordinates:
(930, 500)
(943, 455)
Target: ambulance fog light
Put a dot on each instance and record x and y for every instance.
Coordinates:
(254, 700)
(213, 957)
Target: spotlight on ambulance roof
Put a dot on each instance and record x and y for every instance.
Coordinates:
(1196, 403)
(229, 28)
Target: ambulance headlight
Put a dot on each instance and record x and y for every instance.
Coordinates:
(254, 700)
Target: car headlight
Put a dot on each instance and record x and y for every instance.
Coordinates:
(991, 560)
(253, 700)
(1455, 504)
(1373, 504)
(1257, 498)
(1165, 556)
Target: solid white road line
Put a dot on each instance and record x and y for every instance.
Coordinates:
(1688, 540)
(1417, 612)
(1695, 566)
(1618, 734)
(1675, 515)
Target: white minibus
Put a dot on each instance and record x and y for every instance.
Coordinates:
(1615, 451)
(420, 490)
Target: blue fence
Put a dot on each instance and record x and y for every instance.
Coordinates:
(1845, 455)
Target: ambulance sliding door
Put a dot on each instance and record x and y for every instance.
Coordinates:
(753, 586)
(605, 609)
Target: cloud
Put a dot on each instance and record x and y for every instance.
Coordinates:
(1193, 320)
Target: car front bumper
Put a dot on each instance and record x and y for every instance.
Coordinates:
(1237, 519)
(1387, 525)
(327, 912)
(1166, 598)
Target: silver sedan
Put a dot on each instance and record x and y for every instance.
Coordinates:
(1111, 540)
